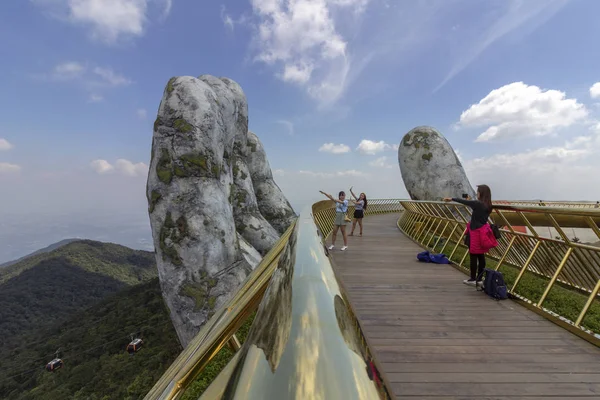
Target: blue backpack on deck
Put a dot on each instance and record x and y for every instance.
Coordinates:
(494, 285)
(427, 257)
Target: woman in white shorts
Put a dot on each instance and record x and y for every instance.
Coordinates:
(341, 208)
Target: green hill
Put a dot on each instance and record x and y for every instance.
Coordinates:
(119, 262)
(92, 345)
(47, 249)
(50, 287)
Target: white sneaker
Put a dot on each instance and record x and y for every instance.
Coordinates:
(331, 247)
(344, 248)
(469, 282)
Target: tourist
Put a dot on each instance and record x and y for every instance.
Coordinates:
(341, 207)
(481, 237)
(360, 206)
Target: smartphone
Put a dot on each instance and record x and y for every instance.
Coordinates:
(465, 195)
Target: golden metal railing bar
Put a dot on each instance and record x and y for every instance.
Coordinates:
(558, 277)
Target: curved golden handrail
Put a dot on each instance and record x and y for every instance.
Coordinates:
(305, 342)
(219, 329)
(553, 274)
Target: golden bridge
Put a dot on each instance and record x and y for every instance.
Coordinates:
(374, 323)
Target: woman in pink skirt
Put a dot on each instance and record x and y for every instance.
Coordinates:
(481, 235)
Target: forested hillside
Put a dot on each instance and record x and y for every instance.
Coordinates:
(92, 344)
(50, 287)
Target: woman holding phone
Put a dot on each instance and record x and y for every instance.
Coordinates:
(360, 206)
(481, 236)
(341, 207)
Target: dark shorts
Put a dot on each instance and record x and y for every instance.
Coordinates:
(359, 214)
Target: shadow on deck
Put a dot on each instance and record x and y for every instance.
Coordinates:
(439, 339)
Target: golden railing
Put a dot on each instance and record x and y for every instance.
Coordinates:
(220, 329)
(305, 341)
(555, 276)
(324, 211)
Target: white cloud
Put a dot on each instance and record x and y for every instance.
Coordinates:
(128, 168)
(328, 175)
(380, 162)
(110, 77)
(5, 145)
(595, 90)
(518, 110)
(288, 124)
(95, 98)
(122, 166)
(334, 148)
(301, 38)
(68, 70)
(279, 172)
(540, 159)
(142, 113)
(7, 168)
(370, 147)
(226, 18)
(93, 79)
(101, 166)
(108, 21)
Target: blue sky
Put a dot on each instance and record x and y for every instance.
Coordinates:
(82, 81)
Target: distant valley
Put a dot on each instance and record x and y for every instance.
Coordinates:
(83, 298)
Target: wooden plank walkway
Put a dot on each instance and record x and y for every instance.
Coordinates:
(437, 338)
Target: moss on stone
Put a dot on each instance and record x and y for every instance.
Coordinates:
(179, 172)
(196, 164)
(426, 146)
(244, 175)
(427, 156)
(171, 85)
(252, 146)
(154, 198)
(406, 140)
(231, 193)
(182, 226)
(223, 240)
(203, 274)
(157, 123)
(242, 227)
(417, 145)
(182, 125)
(195, 159)
(173, 232)
(240, 197)
(164, 167)
(212, 300)
(259, 194)
(236, 170)
(197, 292)
(212, 282)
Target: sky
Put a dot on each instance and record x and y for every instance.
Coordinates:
(332, 87)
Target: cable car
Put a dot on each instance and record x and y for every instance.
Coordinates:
(55, 364)
(134, 346)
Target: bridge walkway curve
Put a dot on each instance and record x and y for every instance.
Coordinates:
(437, 338)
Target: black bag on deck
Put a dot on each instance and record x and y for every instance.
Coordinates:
(494, 286)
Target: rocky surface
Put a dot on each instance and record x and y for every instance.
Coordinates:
(271, 201)
(429, 166)
(207, 223)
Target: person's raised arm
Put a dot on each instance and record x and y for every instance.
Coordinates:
(331, 197)
(468, 203)
(352, 193)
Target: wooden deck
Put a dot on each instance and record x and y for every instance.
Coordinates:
(437, 338)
